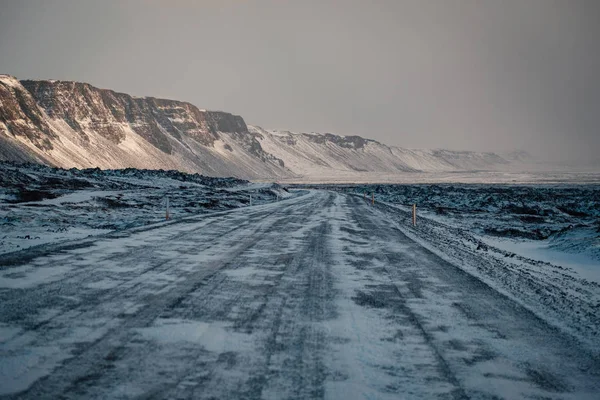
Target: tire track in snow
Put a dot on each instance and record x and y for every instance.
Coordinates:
(364, 222)
(20, 304)
(85, 365)
(485, 331)
(287, 360)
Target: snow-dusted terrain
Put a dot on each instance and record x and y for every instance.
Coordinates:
(41, 205)
(318, 295)
(533, 219)
(541, 243)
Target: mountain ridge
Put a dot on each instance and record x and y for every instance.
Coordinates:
(74, 124)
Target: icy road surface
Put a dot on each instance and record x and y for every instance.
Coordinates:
(317, 296)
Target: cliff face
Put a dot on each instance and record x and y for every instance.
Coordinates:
(86, 108)
(348, 142)
(20, 115)
(73, 124)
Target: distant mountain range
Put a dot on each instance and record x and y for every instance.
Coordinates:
(71, 124)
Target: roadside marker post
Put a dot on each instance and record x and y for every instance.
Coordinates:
(250, 200)
(414, 215)
(167, 216)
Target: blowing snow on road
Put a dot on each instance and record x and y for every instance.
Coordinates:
(318, 296)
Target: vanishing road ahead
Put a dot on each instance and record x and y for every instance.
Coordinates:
(318, 296)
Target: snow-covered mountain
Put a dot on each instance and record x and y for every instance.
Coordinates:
(72, 124)
(314, 154)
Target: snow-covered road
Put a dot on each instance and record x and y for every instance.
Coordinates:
(318, 296)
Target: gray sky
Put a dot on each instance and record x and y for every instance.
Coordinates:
(466, 74)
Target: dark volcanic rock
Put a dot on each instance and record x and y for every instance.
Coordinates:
(219, 121)
(249, 141)
(349, 142)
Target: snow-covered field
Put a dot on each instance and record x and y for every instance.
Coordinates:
(41, 205)
(550, 219)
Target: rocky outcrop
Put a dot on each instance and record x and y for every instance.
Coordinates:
(348, 142)
(20, 115)
(86, 108)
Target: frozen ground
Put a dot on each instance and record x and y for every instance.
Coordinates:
(41, 205)
(320, 295)
(558, 218)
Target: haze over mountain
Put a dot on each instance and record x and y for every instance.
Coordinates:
(71, 124)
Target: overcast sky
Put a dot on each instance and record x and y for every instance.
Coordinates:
(491, 75)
